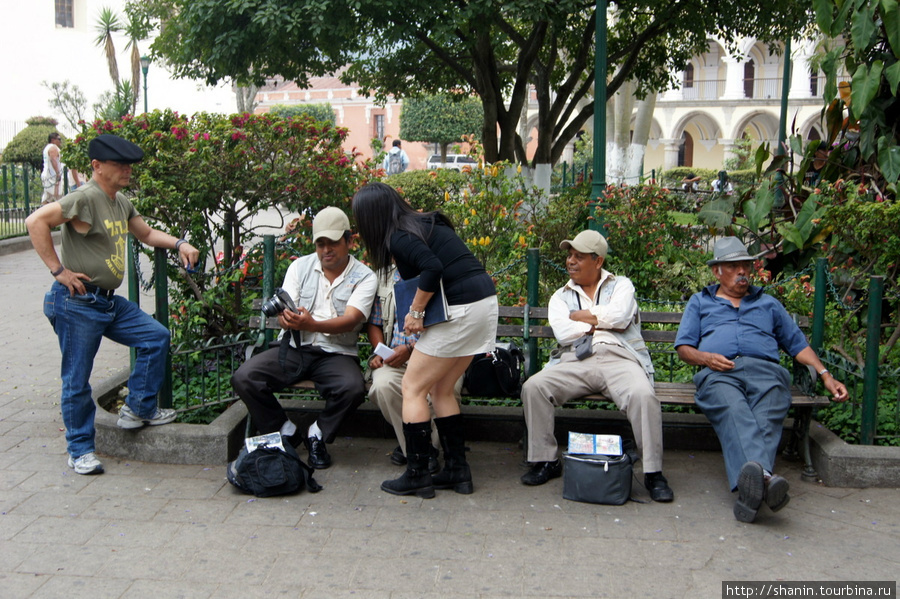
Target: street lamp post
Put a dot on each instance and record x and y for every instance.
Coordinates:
(598, 188)
(145, 66)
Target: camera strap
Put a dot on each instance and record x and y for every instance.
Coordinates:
(283, 348)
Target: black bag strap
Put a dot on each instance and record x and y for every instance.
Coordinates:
(283, 348)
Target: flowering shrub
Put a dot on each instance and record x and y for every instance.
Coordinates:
(663, 259)
(207, 176)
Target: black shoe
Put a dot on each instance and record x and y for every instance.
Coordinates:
(777, 492)
(318, 454)
(751, 490)
(658, 487)
(541, 472)
(397, 457)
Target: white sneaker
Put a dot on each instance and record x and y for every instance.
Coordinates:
(128, 419)
(86, 464)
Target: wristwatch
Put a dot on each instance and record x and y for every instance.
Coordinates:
(417, 314)
(823, 372)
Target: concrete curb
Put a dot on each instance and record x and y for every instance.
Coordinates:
(21, 244)
(840, 464)
(175, 443)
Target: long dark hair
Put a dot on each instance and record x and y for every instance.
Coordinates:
(379, 212)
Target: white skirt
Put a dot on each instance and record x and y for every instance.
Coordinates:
(472, 329)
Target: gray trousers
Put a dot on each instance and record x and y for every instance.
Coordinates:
(386, 392)
(611, 371)
(746, 406)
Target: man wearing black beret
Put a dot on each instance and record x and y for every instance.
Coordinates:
(82, 305)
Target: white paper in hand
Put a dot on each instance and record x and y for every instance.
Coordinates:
(384, 351)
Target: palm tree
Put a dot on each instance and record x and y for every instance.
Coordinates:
(107, 24)
(135, 32)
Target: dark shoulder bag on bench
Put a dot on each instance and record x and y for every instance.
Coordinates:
(268, 470)
(497, 373)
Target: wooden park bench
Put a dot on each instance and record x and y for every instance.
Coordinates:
(527, 326)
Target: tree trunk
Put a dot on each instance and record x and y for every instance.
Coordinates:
(638, 148)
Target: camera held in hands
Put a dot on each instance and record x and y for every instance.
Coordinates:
(278, 303)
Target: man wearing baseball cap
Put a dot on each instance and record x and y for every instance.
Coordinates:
(82, 304)
(595, 319)
(734, 331)
(333, 293)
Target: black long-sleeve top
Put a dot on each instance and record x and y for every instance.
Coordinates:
(445, 256)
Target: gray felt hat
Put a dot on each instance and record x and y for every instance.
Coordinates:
(729, 249)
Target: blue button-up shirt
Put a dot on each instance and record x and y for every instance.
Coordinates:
(757, 328)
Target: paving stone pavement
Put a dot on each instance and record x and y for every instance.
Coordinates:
(166, 531)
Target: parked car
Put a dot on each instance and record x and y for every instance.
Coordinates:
(454, 161)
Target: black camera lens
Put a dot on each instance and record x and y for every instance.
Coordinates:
(278, 303)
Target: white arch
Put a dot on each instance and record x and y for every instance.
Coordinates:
(762, 123)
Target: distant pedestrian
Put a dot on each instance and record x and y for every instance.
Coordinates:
(51, 174)
(82, 305)
(396, 160)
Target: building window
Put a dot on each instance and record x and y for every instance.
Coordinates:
(749, 78)
(379, 127)
(689, 75)
(65, 13)
(813, 83)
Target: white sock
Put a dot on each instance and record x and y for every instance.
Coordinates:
(288, 428)
(314, 431)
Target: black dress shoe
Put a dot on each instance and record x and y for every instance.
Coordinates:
(318, 454)
(397, 457)
(658, 487)
(541, 472)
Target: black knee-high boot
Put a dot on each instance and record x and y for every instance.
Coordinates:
(456, 474)
(417, 479)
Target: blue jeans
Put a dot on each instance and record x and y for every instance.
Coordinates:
(80, 322)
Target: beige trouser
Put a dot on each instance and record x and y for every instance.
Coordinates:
(612, 372)
(386, 392)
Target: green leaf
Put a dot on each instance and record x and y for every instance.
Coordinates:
(889, 159)
(890, 16)
(824, 15)
(791, 235)
(717, 213)
(762, 154)
(807, 218)
(758, 208)
(892, 74)
(862, 27)
(864, 87)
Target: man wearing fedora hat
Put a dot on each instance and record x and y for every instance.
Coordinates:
(333, 293)
(82, 305)
(596, 320)
(734, 331)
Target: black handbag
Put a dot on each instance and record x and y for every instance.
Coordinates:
(497, 373)
(599, 478)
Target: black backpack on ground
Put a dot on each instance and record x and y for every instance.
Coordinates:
(270, 470)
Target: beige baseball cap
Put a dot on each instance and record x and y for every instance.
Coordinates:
(587, 242)
(330, 222)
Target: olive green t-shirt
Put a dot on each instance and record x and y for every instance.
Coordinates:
(101, 251)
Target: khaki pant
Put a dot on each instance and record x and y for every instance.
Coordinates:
(613, 372)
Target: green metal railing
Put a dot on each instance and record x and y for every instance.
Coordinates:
(223, 356)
